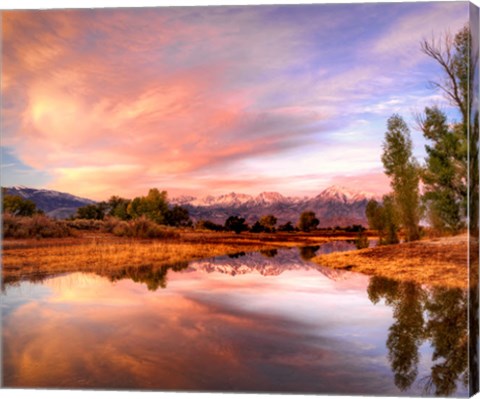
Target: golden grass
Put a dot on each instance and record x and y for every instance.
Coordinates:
(436, 262)
(101, 252)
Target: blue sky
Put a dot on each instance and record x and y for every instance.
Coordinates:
(210, 100)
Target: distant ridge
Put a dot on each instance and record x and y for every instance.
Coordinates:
(54, 203)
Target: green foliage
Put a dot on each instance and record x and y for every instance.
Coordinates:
(404, 172)
(236, 224)
(92, 211)
(445, 172)
(178, 216)
(118, 207)
(438, 315)
(308, 221)
(18, 206)
(361, 241)
(383, 218)
(154, 206)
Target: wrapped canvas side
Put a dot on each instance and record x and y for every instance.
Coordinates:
(474, 202)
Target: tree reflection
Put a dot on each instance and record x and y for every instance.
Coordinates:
(153, 277)
(447, 328)
(438, 315)
(308, 252)
(269, 253)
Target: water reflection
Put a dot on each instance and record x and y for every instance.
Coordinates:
(308, 252)
(265, 322)
(438, 315)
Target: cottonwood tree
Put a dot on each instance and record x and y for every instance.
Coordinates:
(154, 206)
(447, 156)
(444, 174)
(403, 170)
(18, 206)
(383, 218)
(268, 222)
(453, 56)
(308, 221)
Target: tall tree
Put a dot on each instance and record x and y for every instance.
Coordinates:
(452, 54)
(154, 206)
(444, 175)
(403, 170)
(17, 205)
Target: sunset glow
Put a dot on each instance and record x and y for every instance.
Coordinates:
(209, 100)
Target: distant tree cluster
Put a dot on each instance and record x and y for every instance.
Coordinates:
(18, 206)
(154, 206)
(266, 224)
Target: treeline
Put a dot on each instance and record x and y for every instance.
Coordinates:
(149, 216)
(443, 202)
(156, 208)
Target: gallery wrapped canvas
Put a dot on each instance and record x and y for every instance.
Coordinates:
(241, 199)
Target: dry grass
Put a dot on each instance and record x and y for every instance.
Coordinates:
(437, 262)
(102, 252)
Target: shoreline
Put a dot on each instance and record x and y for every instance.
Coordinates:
(432, 262)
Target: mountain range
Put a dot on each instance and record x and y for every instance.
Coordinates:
(55, 204)
(334, 206)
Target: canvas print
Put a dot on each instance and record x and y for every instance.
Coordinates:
(258, 198)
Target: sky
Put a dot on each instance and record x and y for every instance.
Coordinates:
(209, 100)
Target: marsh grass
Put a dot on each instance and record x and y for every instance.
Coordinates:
(94, 251)
(435, 262)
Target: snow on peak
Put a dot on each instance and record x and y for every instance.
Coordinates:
(269, 198)
(340, 193)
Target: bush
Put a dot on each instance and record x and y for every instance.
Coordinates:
(208, 225)
(142, 228)
(85, 224)
(37, 226)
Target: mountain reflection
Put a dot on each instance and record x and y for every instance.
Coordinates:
(421, 314)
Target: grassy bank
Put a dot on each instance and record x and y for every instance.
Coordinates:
(102, 252)
(437, 262)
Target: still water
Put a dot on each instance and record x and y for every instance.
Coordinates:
(261, 322)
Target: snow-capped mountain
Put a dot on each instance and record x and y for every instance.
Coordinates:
(343, 194)
(54, 203)
(333, 206)
(269, 264)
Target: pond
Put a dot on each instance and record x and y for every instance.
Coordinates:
(263, 322)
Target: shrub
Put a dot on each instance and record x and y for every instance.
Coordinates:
(142, 228)
(37, 226)
(208, 225)
(85, 224)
